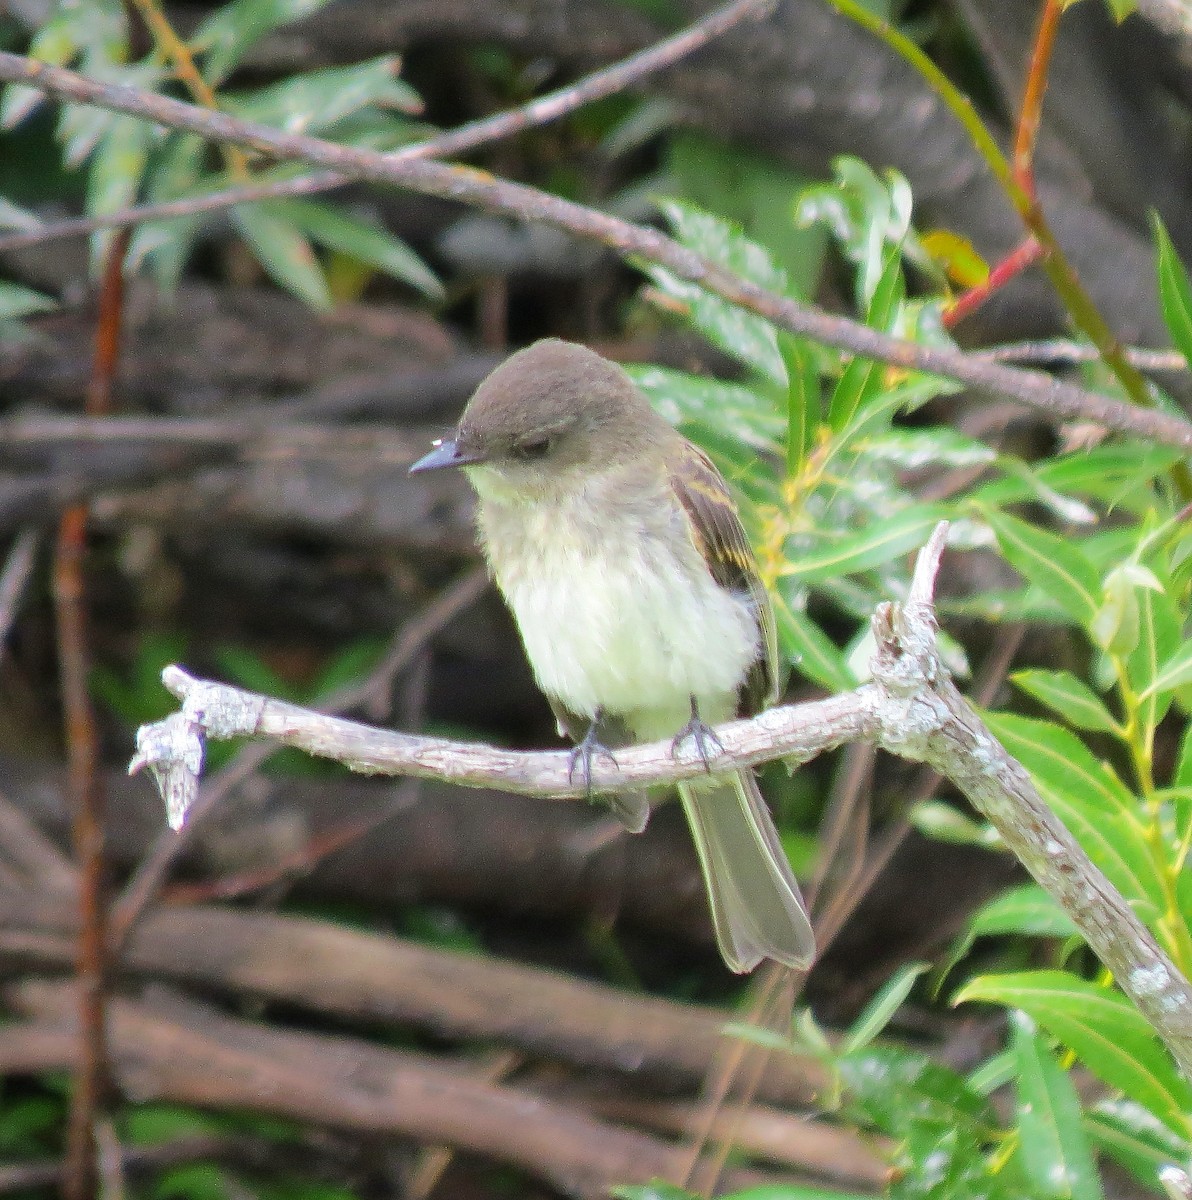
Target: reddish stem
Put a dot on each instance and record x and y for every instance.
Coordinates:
(1017, 261)
(80, 1177)
(1031, 114)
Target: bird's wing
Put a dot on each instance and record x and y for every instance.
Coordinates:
(720, 537)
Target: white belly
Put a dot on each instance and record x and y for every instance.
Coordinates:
(628, 626)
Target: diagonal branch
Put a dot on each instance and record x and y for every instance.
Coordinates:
(541, 111)
(1059, 401)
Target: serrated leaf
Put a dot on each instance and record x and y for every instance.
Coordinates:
(375, 247)
(228, 34)
(1175, 293)
(1052, 1143)
(1108, 1034)
(1073, 699)
(861, 551)
(730, 409)
(316, 100)
(750, 339)
(283, 252)
(1057, 567)
(917, 449)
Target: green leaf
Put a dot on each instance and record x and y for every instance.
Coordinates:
(803, 399)
(918, 449)
(1054, 1149)
(862, 378)
(814, 654)
(860, 551)
(145, 1124)
(1057, 567)
(1109, 1035)
(1074, 700)
(1159, 639)
(1174, 673)
(1121, 9)
(1092, 803)
(1175, 294)
(748, 338)
(1183, 770)
(117, 166)
(232, 30)
(196, 1181)
(754, 190)
(315, 101)
(1135, 1139)
(897, 1089)
(942, 822)
(881, 1009)
(17, 301)
(376, 247)
(1058, 760)
(1026, 910)
(283, 252)
(730, 410)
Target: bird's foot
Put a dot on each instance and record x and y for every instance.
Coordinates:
(700, 732)
(584, 752)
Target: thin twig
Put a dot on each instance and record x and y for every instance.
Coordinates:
(1061, 350)
(82, 1176)
(1027, 254)
(1030, 115)
(407, 644)
(551, 107)
(1059, 401)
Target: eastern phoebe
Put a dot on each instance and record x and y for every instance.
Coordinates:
(618, 547)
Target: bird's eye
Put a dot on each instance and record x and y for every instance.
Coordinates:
(532, 448)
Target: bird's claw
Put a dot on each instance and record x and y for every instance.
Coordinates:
(584, 752)
(699, 731)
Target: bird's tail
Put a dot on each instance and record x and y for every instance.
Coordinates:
(756, 906)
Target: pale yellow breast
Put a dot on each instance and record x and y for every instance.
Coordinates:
(620, 613)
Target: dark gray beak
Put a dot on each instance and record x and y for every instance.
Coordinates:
(445, 454)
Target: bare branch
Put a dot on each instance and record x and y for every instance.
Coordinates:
(912, 709)
(1059, 401)
(551, 107)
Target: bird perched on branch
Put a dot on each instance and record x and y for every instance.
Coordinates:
(617, 546)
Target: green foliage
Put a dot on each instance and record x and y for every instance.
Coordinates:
(815, 443)
(127, 160)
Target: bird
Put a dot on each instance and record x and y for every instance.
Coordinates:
(618, 548)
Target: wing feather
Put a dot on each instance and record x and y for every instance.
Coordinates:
(717, 530)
